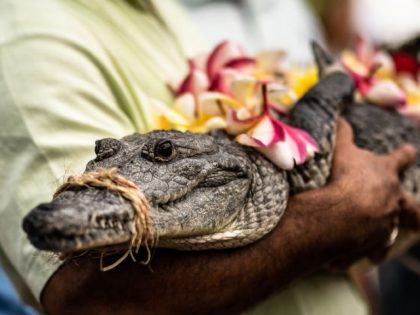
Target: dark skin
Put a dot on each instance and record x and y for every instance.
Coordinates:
(350, 218)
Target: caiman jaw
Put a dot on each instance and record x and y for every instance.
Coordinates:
(67, 224)
(94, 218)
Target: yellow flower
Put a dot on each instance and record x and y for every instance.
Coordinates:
(300, 80)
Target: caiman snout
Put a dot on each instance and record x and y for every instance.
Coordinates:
(79, 220)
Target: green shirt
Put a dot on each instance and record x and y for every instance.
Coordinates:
(72, 72)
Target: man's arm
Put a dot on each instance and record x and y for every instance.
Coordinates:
(353, 216)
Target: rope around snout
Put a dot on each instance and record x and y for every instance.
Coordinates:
(110, 180)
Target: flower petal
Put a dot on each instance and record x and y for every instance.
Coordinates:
(365, 52)
(167, 118)
(295, 149)
(185, 105)
(267, 131)
(195, 82)
(353, 65)
(406, 63)
(386, 93)
(223, 80)
(300, 80)
(269, 61)
(280, 97)
(385, 65)
(199, 62)
(242, 64)
(239, 121)
(279, 154)
(216, 123)
(223, 53)
(282, 144)
(215, 103)
(243, 89)
(301, 143)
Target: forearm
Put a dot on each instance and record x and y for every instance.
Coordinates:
(202, 282)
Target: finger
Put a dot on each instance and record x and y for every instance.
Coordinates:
(344, 133)
(402, 157)
(410, 212)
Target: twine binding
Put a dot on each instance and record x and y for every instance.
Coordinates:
(109, 179)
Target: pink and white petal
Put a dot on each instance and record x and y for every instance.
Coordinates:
(215, 103)
(279, 108)
(216, 123)
(364, 85)
(270, 61)
(385, 61)
(365, 51)
(222, 54)
(267, 131)
(279, 154)
(186, 106)
(195, 82)
(247, 140)
(199, 62)
(275, 89)
(276, 94)
(242, 64)
(386, 93)
(353, 65)
(240, 121)
(408, 83)
(222, 82)
(306, 138)
(302, 145)
(243, 89)
(306, 145)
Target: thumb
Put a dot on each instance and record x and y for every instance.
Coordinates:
(344, 133)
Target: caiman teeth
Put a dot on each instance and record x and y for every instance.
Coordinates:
(110, 223)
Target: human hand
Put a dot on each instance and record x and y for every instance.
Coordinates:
(377, 205)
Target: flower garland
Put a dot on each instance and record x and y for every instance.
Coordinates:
(248, 96)
(383, 79)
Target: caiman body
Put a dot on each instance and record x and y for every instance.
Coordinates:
(205, 191)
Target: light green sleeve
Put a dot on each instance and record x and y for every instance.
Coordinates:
(54, 103)
(59, 92)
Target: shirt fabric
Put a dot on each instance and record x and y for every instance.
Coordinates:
(74, 71)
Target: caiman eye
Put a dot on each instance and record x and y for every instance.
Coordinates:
(106, 148)
(163, 150)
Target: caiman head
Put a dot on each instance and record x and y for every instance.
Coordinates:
(194, 183)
